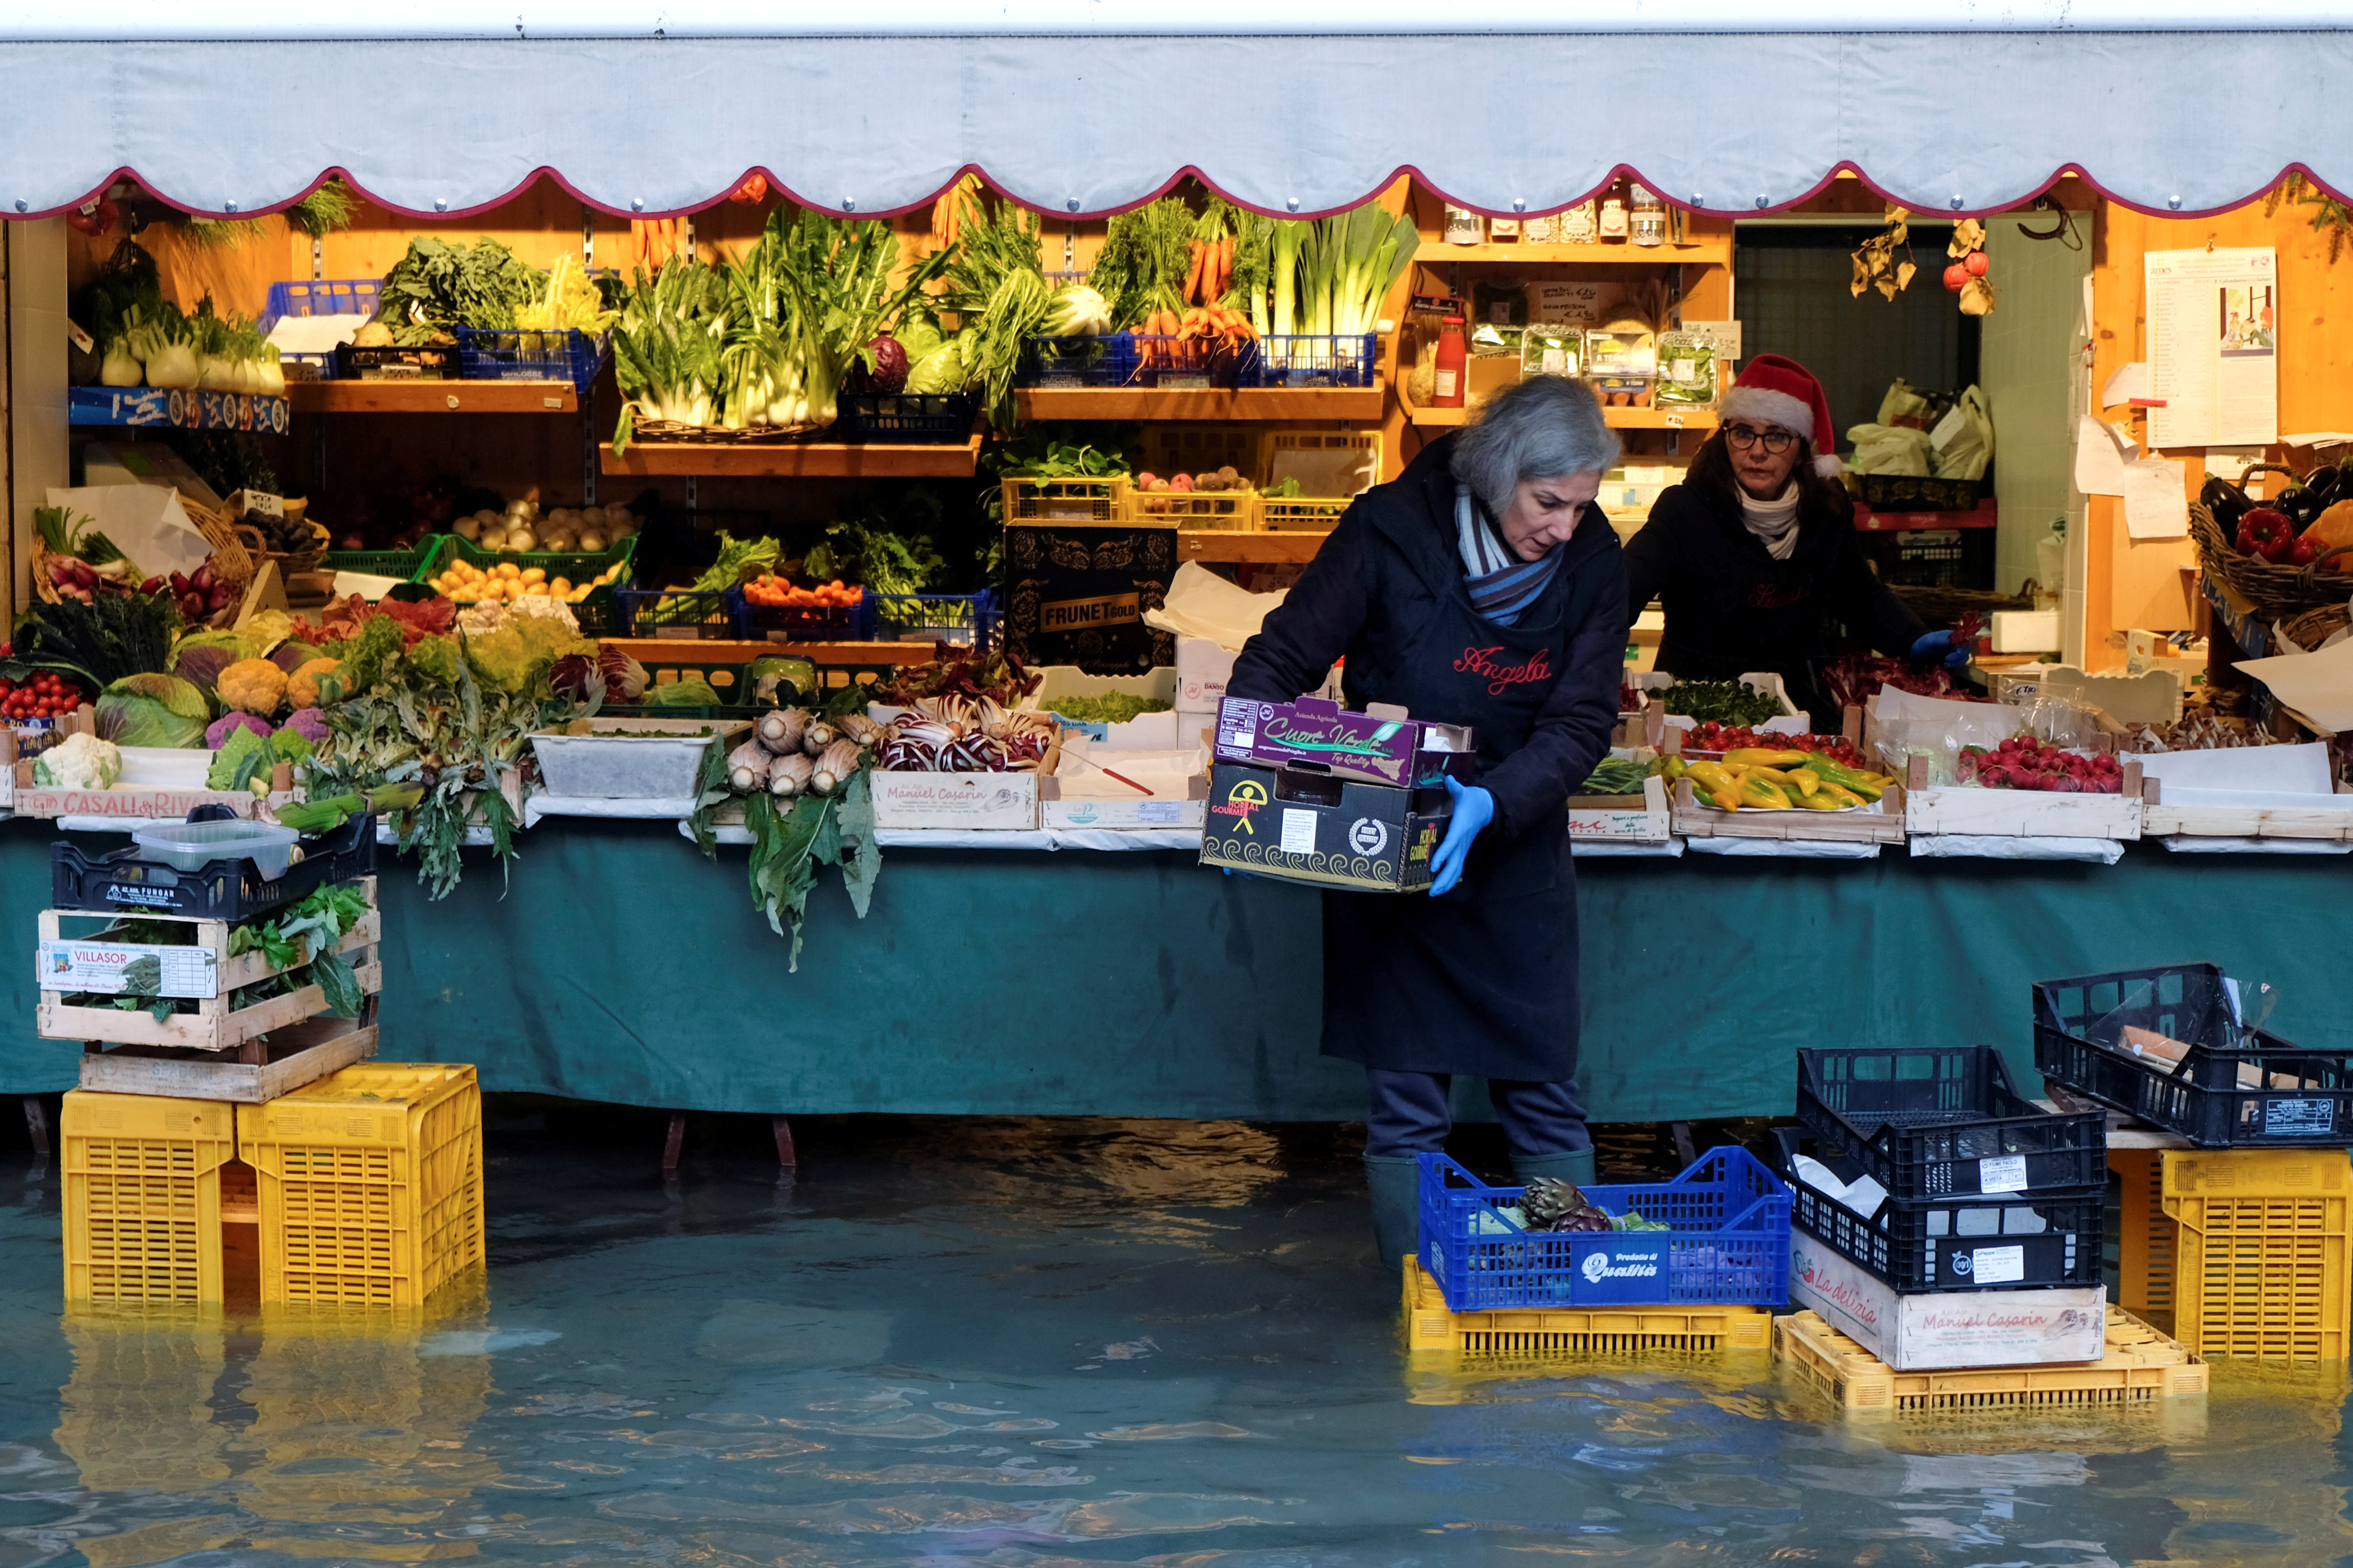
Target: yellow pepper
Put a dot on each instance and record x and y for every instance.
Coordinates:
(1839, 798)
(1761, 757)
(1726, 798)
(1820, 800)
(1797, 781)
(1763, 791)
(1709, 777)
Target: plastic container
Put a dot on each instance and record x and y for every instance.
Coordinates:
(2141, 1366)
(227, 888)
(2147, 1242)
(1064, 500)
(2018, 1241)
(403, 565)
(193, 846)
(426, 361)
(320, 296)
(143, 1196)
(2231, 1090)
(599, 613)
(1307, 359)
(1523, 1333)
(1729, 1243)
(690, 615)
(1448, 390)
(2260, 1263)
(1935, 1122)
(370, 1185)
(905, 419)
(1110, 360)
(960, 620)
(503, 355)
(631, 759)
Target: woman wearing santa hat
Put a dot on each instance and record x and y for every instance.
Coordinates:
(1754, 556)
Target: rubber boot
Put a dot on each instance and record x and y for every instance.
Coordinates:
(1394, 1185)
(1575, 1167)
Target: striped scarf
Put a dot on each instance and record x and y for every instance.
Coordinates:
(1501, 585)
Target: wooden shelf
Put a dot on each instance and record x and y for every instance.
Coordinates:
(1151, 405)
(1211, 544)
(432, 398)
(1617, 418)
(666, 650)
(1707, 249)
(793, 460)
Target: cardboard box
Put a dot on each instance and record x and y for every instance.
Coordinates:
(1380, 746)
(1004, 803)
(1203, 667)
(1315, 827)
(1082, 794)
(1644, 819)
(1946, 1328)
(2026, 631)
(1078, 591)
(1145, 732)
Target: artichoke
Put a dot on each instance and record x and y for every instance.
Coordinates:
(1547, 1199)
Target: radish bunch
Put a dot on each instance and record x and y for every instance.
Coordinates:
(2024, 763)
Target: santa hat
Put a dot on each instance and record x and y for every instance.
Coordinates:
(1776, 390)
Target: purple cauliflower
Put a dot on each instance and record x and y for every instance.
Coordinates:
(230, 723)
(310, 723)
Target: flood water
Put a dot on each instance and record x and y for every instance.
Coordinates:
(1030, 1344)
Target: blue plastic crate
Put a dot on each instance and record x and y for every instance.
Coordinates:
(500, 354)
(1107, 360)
(1303, 359)
(1730, 1244)
(812, 623)
(906, 418)
(960, 619)
(320, 297)
(695, 613)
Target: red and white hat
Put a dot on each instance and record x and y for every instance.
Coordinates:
(1778, 391)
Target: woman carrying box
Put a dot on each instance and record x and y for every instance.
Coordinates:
(1480, 587)
(1754, 556)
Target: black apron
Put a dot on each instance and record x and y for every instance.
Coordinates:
(1482, 980)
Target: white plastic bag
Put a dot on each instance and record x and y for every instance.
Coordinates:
(1966, 446)
(1889, 449)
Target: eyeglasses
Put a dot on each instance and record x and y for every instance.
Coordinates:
(1745, 436)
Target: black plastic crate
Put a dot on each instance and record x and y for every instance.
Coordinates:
(906, 418)
(1934, 1121)
(225, 890)
(2235, 1087)
(1930, 558)
(426, 361)
(1942, 1244)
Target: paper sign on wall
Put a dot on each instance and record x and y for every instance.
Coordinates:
(2214, 346)
(2157, 506)
(2102, 453)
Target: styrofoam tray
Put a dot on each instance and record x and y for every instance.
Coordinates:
(632, 759)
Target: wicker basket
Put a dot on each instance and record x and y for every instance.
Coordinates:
(2275, 592)
(2313, 627)
(230, 560)
(644, 429)
(288, 562)
(1942, 607)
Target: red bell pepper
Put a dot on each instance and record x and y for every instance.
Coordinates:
(2302, 552)
(2266, 534)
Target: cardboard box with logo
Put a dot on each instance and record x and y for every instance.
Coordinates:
(1382, 745)
(1077, 593)
(1322, 828)
(1946, 1328)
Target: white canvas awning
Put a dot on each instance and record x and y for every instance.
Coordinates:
(1954, 105)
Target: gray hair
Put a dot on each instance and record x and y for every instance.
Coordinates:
(1540, 428)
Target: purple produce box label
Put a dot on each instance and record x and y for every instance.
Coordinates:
(1312, 731)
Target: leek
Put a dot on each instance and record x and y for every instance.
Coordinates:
(1288, 234)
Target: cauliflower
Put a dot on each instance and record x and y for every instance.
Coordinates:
(316, 682)
(253, 685)
(229, 725)
(79, 761)
(308, 722)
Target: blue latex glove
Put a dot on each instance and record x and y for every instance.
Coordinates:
(1939, 645)
(1473, 809)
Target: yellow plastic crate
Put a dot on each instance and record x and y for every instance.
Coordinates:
(1521, 1333)
(1190, 449)
(1065, 500)
(143, 1196)
(371, 1184)
(2263, 1233)
(2140, 1365)
(1299, 514)
(1231, 511)
(2145, 1245)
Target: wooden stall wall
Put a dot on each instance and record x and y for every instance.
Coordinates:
(2150, 584)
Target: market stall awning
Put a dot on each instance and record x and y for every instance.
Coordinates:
(654, 114)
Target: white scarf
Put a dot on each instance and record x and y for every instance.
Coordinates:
(1774, 523)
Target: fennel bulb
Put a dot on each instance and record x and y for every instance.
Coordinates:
(120, 367)
(172, 365)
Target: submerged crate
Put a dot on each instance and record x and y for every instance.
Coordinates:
(2140, 1365)
(1526, 1332)
(2261, 1238)
(2233, 1087)
(1934, 1121)
(143, 1196)
(1728, 1241)
(371, 1185)
(2038, 1240)
(202, 970)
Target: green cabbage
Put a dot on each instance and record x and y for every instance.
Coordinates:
(940, 371)
(153, 710)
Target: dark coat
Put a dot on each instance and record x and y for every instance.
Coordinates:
(1484, 980)
(1732, 608)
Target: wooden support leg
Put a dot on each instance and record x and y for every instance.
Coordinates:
(785, 1156)
(674, 1143)
(1683, 1149)
(37, 1122)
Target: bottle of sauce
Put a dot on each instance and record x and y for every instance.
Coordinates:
(1613, 220)
(1446, 390)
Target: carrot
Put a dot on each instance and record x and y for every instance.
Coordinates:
(1200, 253)
(1225, 266)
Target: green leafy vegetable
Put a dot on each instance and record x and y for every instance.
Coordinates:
(790, 842)
(115, 636)
(1111, 708)
(437, 286)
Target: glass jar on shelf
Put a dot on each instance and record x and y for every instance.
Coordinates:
(1647, 223)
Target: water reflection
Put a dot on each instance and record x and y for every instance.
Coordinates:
(1030, 1345)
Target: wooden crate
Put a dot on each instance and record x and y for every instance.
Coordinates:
(1644, 819)
(215, 1027)
(2020, 813)
(294, 1056)
(2159, 820)
(1884, 826)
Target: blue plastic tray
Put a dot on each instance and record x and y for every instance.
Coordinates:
(319, 297)
(496, 354)
(1730, 1244)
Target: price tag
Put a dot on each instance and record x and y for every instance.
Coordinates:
(2002, 1173)
(262, 503)
(1298, 832)
(80, 338)
(1997, 1265)
(1674, 421)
